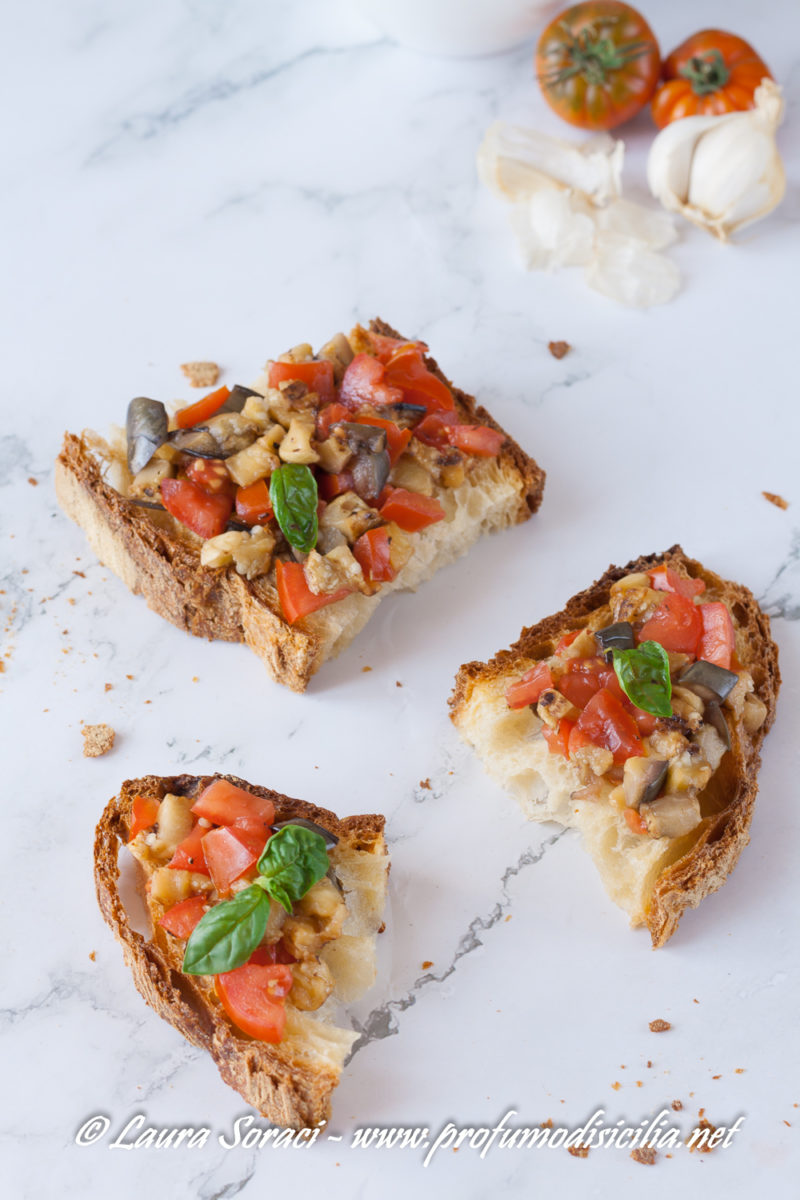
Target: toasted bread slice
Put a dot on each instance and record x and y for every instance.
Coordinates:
(159, 558)
(655, 879)
(291, 1082)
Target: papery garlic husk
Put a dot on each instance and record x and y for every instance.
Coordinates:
(724, 172)
(554, 229)
(628, 271)
(515, 162)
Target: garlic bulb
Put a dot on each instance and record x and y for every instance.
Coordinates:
(721, 172)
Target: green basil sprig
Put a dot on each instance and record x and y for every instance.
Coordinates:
(293, 860)
(643, 673)
(294, 497)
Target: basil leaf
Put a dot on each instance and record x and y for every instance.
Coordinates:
(643, 673)
(292, 862)
(294, 497)
(228, 934)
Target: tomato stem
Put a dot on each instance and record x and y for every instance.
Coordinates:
(594, 57)
(707, 72)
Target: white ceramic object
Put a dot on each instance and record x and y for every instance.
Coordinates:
(459, 28)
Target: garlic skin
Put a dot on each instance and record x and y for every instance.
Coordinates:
(724, 172)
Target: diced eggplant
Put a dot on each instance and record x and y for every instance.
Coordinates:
(403, 414)
(643, 779)
(361, 437)
(714, 716)
(709, 681)
(330, 838)
(618, 636)
(146, 427)
(370, 472)
(221, 436)
(237, 399)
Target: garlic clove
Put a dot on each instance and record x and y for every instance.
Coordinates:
(514, 162)
(627, 271)
(552, 231)
(651, 227)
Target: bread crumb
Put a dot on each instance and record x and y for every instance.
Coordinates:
(706, 1126)
(645, 1155)
(425, 783)
(97, 740)
(397, 683)
(659, 1026)
(559, 349)
(639, 1083)
(648, 1063)
(79, 573)
(93, 956)
(195, 679)
(788, 1124)
(677, 1105)
(716, 1077)
(427, 964)
(578, 1151)
(201, 374)
(35, 483)
(739, 1071)
(129, 677)
(548, 1124)
(364, 669)
(508, 918)
(616, 1086)
(773, 498)
(107, 687)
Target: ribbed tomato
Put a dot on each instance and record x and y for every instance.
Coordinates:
(712, 72)
(597, 64)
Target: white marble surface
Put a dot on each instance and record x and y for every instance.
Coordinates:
(197, 179)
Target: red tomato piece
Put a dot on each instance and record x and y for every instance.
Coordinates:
(529, 688)
(224, 803)
(434, 429)
(645, 721)
(254, 997)
(331, 414)
(718, 639)
(144, 812)
(230, 853)
(211, 476)
(558, 739)
(373, 553)
(189, 854)
(296, 598)
(676, 624)
(202, 409)
(330, 485)
(606, 723)
(386, 347)
(406, 369)
(666, 580)
(318, 377)
(635, 821)
(205, 515)
(253, 504)
(410, 510)
(364, 383)
(584, 677)
(479, 440)
(567, 640)
(396, 438)
(181, 919)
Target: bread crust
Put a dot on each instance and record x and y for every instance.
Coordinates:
(286, 1089)
(160, 560)
(710, 860)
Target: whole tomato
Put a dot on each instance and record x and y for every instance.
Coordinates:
(598, 64)
(711, 72)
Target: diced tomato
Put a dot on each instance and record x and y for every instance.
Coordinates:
(406, 369)
(202, 409)
(364, 383)
(529, 688)
(331, 414)
(330, 485)
(479, 440)
(318, 377)
(253, 504)
(296, 598)
(224, 803)
(373, 553)
(189, 854)
(567, 640)
(635, 821)
(230, 853)
(584, 677)
(396, 438)
(387, 347)
(183, 916)
(666, 580)
(676, 624)
(144, 812)
(718, 639)
(645, 722)
(410, 510)
(606, 723)
(558, 739)
(205, 515)
(434, 429)
(211, 476)
(254, 997)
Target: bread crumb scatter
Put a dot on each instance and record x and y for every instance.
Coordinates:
(35, 482)
(79, 573)
(578, 1151)
(616, 1085)
(775, 499)
(107, 687)
(716, 1077)
(201, 374)
(677, 1105)
(129, 676)
(659, 1026)
(740, 1071)
(93, 956)
(559, 349)
(645, 1155)
(427, 964)
(365, 669)
(706, 1126)
(425, 783)
(97, 740)
(648, 1063)
(548, 1124)
(397, 683)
